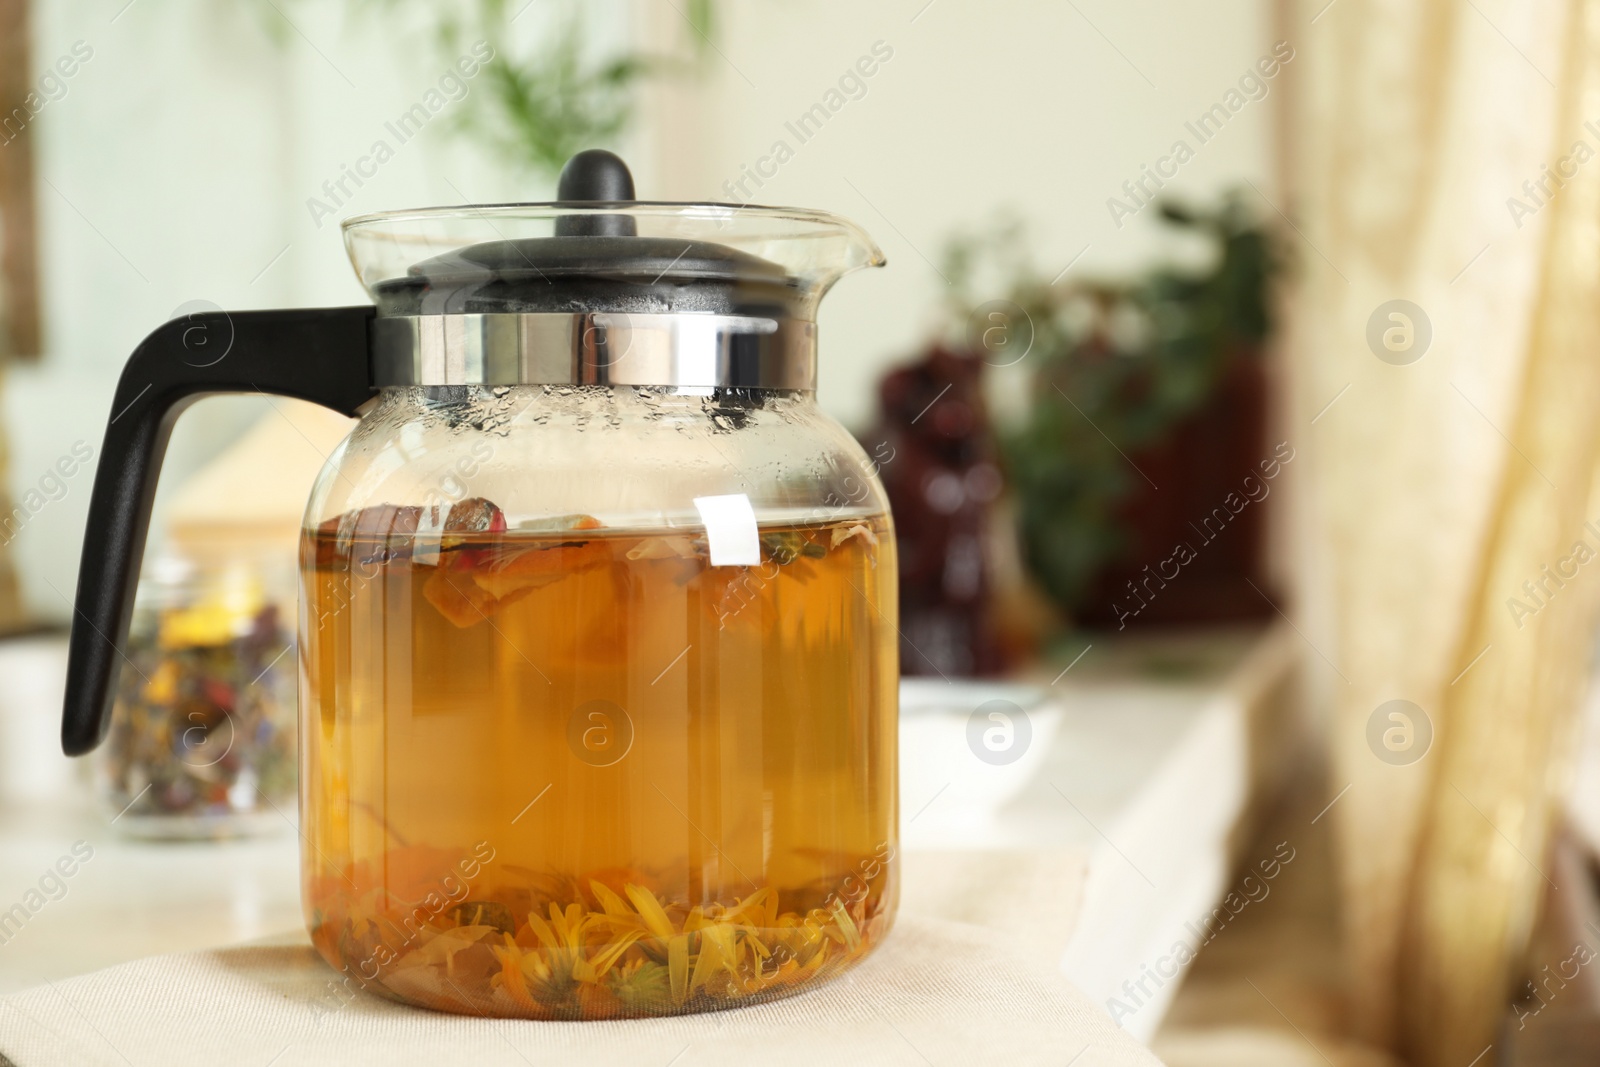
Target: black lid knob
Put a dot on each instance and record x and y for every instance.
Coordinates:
(595, 175)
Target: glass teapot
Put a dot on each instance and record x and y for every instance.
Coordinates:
(597, 610)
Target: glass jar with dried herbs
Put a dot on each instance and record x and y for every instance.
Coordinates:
(202, 737)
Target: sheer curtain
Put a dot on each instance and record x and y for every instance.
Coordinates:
(1451, 452)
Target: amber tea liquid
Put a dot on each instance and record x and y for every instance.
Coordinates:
(581, 772)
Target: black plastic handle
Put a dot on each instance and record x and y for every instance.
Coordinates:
(318, 354)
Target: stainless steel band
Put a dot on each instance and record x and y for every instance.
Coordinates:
(689, 351)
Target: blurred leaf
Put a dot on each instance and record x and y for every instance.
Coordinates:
(1177, 213)
(702, 18)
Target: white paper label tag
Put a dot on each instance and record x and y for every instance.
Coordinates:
(730, 530)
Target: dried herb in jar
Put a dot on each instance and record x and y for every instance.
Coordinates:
(204, 724)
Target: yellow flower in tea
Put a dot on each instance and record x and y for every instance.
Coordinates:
(625, 954)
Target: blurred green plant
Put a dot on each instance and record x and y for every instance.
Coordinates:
(538, 105)
(1115, 366)
(538, 110)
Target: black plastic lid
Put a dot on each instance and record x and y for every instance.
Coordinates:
(594, 262)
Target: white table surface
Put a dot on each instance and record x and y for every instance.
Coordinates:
(1146, 781)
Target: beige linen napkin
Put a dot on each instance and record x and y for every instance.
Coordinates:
(935, 993)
